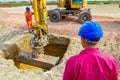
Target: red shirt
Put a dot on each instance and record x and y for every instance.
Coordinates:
(91, 64)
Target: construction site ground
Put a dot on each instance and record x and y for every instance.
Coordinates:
(12, 24)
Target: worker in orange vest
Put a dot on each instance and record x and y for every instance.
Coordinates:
(28, 16)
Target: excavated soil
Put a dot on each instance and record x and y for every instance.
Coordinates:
(13, 29)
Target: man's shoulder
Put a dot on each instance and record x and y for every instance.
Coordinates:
(107, 56)
(73, 58)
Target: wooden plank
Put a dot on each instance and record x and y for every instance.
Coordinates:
(33, 62)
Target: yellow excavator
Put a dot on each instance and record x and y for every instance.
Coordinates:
(68, 8)
(39, 39)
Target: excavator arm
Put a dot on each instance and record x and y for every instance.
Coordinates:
(40, 27)
(39, 39)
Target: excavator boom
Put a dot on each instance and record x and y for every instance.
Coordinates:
(39, 39)
(40, 16)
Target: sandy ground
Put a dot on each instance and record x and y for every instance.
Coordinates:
(107, 15)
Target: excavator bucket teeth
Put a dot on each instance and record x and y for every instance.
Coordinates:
(32, 61)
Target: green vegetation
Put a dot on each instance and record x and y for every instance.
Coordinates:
(52, 3)
(102, 2)
(14, 4)
(24, 3)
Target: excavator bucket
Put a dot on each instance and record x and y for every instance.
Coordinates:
(46, 62)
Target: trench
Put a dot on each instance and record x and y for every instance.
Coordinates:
(56, 49)
(53, 53)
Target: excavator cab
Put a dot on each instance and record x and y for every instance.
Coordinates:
(73, 4)
(69, 3)
(71, 7)
(76, 1)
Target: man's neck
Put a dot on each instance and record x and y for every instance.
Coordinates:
(90, 46)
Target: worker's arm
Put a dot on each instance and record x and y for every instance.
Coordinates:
(69, 69)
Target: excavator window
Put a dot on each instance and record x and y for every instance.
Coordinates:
(76, 1)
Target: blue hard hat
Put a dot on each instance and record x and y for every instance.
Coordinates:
(91, 30)
(27, 9)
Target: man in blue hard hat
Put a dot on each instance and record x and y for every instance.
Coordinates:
(28, 17)
(91, 63)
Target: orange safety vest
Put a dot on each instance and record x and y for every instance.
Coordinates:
(28, 15)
